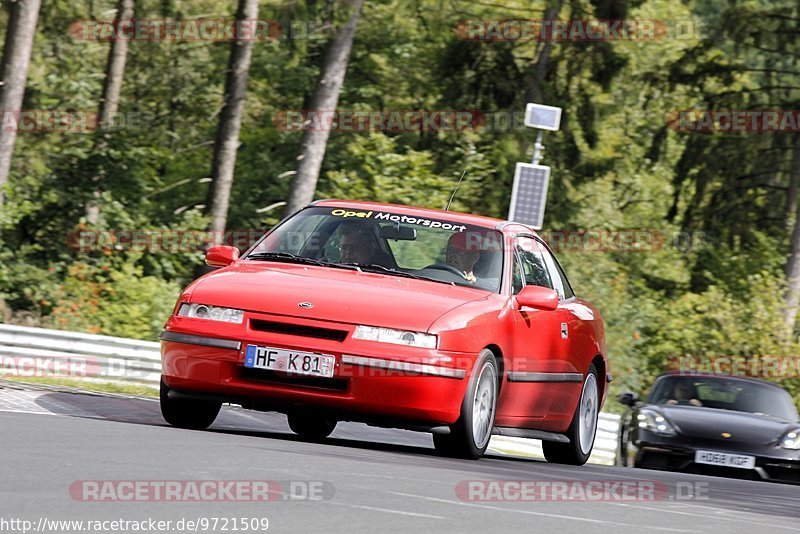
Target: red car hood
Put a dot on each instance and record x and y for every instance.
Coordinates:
(339, 295)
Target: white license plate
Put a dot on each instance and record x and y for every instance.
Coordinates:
(725, 459)
(289, 361)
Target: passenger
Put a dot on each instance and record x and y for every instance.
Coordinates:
(463, 254)
(685, 393)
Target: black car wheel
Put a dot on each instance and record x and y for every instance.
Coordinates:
(311, 427)
(469, 436)
(582, 430)
(193, 414)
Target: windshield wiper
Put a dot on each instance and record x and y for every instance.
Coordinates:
(293, 258)
(389, 270)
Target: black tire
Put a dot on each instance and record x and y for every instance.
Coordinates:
(311, 427)
(187, 413)
(462, 441)
(576, 451)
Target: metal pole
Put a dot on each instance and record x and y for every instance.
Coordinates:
(538, 148)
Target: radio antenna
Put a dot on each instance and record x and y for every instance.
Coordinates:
(447, 208)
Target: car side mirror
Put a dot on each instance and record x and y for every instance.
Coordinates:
(628, 398)
(540, 298)
(221, 256)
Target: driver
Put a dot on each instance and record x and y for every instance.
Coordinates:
(463, 255)
(685, 393)
(356, 244)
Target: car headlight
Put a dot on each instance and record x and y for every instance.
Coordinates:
(212, 313)
(655, 422)
(791, 440)
(398, 337)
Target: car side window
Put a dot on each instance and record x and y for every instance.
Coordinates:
(568, 292)
(516, 276)
(557, 275)
(534, 269)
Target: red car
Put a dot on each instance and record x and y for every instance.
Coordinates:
(459, 325)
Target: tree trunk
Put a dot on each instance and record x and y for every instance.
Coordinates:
(794, 184)
(792, 297)
(535, 79)
(230, 123)
(115, 67)
(112, 88)
(14, 74)
(326, 98)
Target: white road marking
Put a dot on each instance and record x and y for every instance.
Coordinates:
(541, 514)
(385, 510)
(705, 515)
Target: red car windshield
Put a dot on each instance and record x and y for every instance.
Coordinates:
(391, 243)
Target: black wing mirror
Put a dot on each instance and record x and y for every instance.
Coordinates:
(628, 398)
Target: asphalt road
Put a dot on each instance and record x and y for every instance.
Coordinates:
(361, 480)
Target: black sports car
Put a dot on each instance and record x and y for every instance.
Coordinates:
(712, 424)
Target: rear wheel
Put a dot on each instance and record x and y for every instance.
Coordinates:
(582, 430)
(311, 427)
(469, 436)
(193, 414)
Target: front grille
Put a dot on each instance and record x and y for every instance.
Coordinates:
(298, 330)
(265, 375)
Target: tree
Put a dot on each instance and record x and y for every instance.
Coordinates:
(230, 122)
(792, 298)
(112, 87)
(326, 98)
(14, 74)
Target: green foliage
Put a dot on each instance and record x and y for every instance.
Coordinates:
(116, 301)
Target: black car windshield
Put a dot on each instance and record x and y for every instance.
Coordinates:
(724, 393)
(389, 243)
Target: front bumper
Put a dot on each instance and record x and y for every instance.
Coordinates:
(775, 464)
(372, 382)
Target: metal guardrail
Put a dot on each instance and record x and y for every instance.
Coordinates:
(30, 352)
(39, 352)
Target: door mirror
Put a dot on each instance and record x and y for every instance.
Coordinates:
(221, 256)
(540, 298)
(628, 398)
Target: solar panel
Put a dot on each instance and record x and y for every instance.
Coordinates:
(543, 117)
(529, 194)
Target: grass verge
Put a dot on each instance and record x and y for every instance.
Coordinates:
(102, 387)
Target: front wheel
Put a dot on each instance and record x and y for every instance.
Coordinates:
(469, 436)
(582, 430)
(311, 427)
(193, 414)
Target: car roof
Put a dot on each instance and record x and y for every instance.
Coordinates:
(698, 374)
(454, 216)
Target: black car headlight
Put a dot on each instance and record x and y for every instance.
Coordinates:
(654, 422)
(791, 440)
